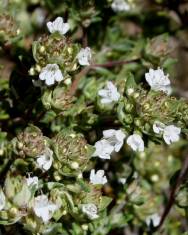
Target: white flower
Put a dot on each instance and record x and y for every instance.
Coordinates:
(44, 161)
(155, 219)
(90, 210)
(2, 199)
(43, 208)
(109, 94)
(158, 127)
(58, 26)
(103, 149)
(31, 181)
(158, 81)
(135, 142)
(171, 134)
(84, 56)
(115, 138)
(51, 74)
(39, 16)
(120, 5)
(122, 180)
(98, 177)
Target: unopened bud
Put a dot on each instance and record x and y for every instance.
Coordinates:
(42, 49)
(38, 68)
(20, 145)
(31, 72)
(1, 152)
(13, 212)
(128, 119)
(57, 177)
(85, 227)
(74, 165)
(70, 50)
(129, 107)
(136, 95)
(154, 178)
(130, 91)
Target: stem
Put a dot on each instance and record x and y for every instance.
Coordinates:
(84, 71)
(76, 81)
(84, 37)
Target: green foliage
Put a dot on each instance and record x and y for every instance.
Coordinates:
(52, 134)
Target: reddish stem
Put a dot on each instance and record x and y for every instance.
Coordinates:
(93, 66)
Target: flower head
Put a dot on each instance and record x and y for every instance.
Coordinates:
(103, 149)
(90, 210)
(58, 26)
(98, 177)
(84, 56)
(2, 199)
(31, 181)
(115, 138)
(120, 5)
(135, 142)
(171, 134)
(155, 219)
(158, 127)
(51, 74)
(43, 208)
(158, 81)
(44, 161)
(109, 94)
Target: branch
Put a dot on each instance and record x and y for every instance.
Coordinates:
(83, 72)
(84, 37)
(76, 81)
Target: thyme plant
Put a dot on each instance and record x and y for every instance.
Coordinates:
(93, 133)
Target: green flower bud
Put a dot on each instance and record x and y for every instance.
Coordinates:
(55, 49)
(182, 197)
(8, 28)
(61, 100)
(129, 107)
(46, 99)
(128, 119)
(57, 176)
(42, 49)
(91, 194)
(72, 153)
(32, 71)
(154, 105)
(13, 212)
(138, 122)
(30, 142)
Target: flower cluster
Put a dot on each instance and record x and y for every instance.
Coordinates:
(67, 55)
(112, 141)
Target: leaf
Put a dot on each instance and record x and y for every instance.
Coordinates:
(130, 83)
(105, 201)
